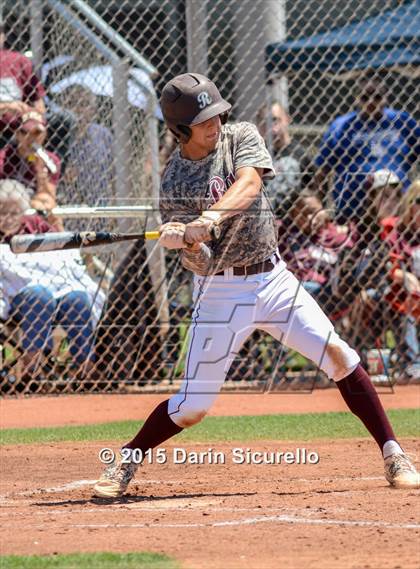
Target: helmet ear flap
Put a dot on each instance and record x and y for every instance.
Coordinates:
(224, 117)
(185, 132)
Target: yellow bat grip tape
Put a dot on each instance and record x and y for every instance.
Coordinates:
(152, 235)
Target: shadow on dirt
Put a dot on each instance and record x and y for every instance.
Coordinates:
(129, 499)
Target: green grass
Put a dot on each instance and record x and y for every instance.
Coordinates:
(89, 561)
(302, 427)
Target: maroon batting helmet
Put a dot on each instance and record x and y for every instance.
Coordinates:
(190, 99)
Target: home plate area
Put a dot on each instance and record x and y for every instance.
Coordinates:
(339, 512)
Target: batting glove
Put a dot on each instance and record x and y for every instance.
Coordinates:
(201, 229)
(172, 235)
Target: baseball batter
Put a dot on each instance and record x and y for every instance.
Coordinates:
(215, 178)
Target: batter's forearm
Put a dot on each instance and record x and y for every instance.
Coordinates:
(197, 259)
(240, 196)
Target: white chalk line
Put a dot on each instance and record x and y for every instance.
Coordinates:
(319, 521)
(81, 483)
(116, 508)
(287, 519)
(78, 484)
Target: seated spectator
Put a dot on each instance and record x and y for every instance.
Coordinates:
(45, 289)
(370, 138)
(388, 192)
(393, 302)
(18, 161)
(89, 176)
(61, 122)
(402, 233)
(20, 89)
(292, 163)
(312, 245)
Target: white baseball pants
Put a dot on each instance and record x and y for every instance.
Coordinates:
(227, 309)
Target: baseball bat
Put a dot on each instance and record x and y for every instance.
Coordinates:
(29, 243)
(72, 240)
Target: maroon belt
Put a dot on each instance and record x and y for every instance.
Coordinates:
(262, 267)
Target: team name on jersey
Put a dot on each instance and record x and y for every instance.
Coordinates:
(217, 186)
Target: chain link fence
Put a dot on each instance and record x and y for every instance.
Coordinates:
(333, 88)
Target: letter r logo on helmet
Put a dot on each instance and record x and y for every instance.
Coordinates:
(204, 99)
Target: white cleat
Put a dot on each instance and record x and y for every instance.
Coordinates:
(115, 479)
(401, 472)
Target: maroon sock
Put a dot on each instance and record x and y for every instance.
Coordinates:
(361, 397)
(158, 428)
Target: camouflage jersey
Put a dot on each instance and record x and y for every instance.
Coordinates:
(189, 187)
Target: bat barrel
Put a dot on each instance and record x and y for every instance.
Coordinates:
(45, 242)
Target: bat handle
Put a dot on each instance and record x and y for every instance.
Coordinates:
(216, 232)
(153, 235)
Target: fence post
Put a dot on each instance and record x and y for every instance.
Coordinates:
(276, 31)
(36, 34)
(155, 254)
(258, 22)
(121, 126)
(197, 48)
(276, 88)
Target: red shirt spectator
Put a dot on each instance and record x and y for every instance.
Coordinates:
(19, 161)
(309, 242)
(20, 89)
(14, 166)
(314, 257)
(404, 250)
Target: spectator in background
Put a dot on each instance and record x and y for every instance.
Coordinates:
(312, 245)
(61, 123)
(19, 162)
(388, 189)
(292, 164)
(357, 144)
(89, 175)
(402, 234)
(386, 278)
(20, 89)
(40, 290)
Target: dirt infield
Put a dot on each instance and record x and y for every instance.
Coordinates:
(90, 409)
(339, 513)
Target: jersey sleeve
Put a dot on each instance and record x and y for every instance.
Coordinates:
(252, 151)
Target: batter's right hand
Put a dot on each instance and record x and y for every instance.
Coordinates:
(172, 235)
